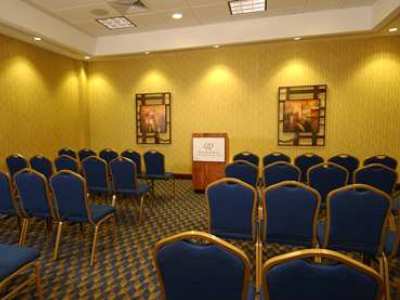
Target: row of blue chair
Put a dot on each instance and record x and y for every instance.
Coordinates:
(324, 177)
(197, 266)
(67, 202)
(356, 219)
(307, 160)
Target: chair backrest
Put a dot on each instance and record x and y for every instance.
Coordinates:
(356, 219)
(212, 269)
(247, 156)
(15, 163)
(65, 162)
(378, 176)
(280, 171)
(124, 177)
(70, 196)
(243, 170)
(108, 154)
(386, 160)
(290, 210)
(306, 161)
(232, 206)
(296, 276)
(67, 151)
(135, 157)
(8, 205)
(95, 171)
(275, 157)
(42, 165)
(33, 193)
(86, 152)
(326, 177)
(349, 162)
(154, 162)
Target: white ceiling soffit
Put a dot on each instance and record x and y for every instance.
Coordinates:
(20, 15)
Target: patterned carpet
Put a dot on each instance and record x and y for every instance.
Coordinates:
(123, 269)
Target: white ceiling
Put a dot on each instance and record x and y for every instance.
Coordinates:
(82, 14)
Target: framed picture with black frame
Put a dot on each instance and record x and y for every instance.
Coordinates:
(302, 115)
(153, 118)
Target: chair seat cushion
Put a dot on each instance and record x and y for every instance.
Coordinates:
(321, 232)
(100, 190)
(390, 242)
(141, 189)
(164, 176)
(13, 258)
(101, 211)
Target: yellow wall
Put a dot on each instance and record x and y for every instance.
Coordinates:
(234, 90)
(43, 101)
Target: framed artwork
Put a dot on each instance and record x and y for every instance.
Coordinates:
(153, 118)
(301, 115)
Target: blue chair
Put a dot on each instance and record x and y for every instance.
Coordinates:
(392, 250)
(275, 157)
(34, 198)
(211, 269)
(71, 205)
(243, 170)
(306, 161)
(280, 171)
(42, 165)
(296, 276)
(86, 152)
(290, 211)
(65, 162)
(15, 163)
(95, 170)
(326, 177)
(385, 160)
(350, 163)
(232, 209)
(108, 155)
(15, 262)
(247, 156)
(155, 169)
(378, 176)
(68, 152)
(136, 158)
(125, 183)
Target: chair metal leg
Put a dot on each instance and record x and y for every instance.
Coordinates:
(39, 289)
(58, 238)
(96, 232)
(113, 200)
(141, 209)
(384, 270)
(22, 233)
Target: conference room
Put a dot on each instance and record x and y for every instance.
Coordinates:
(200, 149)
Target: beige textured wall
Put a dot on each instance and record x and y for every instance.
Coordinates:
(234, 90)
(43, 101)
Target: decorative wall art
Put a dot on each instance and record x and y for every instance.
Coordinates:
(301, 115)
(153, 118)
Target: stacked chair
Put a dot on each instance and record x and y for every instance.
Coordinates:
(349, 162)
(42, 165)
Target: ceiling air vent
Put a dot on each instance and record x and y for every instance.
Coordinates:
(126, 7)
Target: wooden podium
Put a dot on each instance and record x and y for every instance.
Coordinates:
(210, 153)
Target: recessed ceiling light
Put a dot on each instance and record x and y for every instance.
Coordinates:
(116, 23)
(298, 38)
(239, 7)
(87, 57)
(36, 38)
(177, 16)
(216, 46)
(147, 52)
(393, 29)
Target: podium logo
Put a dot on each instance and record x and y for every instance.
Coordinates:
(208, 147)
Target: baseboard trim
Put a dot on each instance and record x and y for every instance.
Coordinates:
(182, 176)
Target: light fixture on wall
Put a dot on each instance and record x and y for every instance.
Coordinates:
(393, 29)
(116, 23)
(147, 52)
(297, 38)
(239, 7)
(216, 46)
(87, 57)
(37, 39)
(177, 16)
